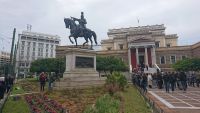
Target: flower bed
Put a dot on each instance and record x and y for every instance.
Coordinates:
(42, 104)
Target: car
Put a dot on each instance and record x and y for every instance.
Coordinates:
(2, 78)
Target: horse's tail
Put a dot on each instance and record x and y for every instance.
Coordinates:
(95, 37)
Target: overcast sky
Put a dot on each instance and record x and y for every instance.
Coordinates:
(46, 16)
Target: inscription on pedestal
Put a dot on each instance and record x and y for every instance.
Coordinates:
(84, 62)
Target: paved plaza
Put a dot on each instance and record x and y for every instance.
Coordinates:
(179, 101)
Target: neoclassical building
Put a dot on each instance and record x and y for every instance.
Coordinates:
(149, 45)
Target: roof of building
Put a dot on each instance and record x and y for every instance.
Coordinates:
(42, 35)
(138, 28)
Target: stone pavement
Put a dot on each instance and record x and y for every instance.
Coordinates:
(178, 101)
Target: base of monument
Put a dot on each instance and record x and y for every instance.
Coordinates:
(80, 71)
(79, 80)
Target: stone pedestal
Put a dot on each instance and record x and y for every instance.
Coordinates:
(80, 69)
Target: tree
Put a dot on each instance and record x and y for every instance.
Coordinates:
(187, 65)
(56, 65)
(4, 69)
(110, 64)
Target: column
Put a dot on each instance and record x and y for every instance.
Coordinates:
(137, 57)
(153, 55)
(129, 60)
(146, 57)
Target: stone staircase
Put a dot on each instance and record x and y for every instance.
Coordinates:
(150, 70)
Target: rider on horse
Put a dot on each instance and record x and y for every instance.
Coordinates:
(82, 22)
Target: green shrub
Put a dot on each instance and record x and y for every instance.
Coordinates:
(115, 82)
(104, 104)
(90, 109)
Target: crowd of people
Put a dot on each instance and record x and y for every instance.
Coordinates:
(6, 84)
(45, 77)
(167, 80)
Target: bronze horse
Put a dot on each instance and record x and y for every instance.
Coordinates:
(76, 31)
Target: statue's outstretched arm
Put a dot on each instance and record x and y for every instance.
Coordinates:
(75, 19)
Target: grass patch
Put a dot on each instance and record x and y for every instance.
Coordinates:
(104, 104)
(133, 102)
(19, 106)
(76, 100)
(17, 89)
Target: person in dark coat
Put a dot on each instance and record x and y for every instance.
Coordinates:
(172, 80)
(7, 84)
(183, 80)
(2, 89)
(42, 81)
(166, 82)
(144, 83)
(159, 81)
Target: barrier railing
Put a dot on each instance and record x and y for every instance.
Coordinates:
(150, 102)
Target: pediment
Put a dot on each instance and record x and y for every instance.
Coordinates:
(141, 39)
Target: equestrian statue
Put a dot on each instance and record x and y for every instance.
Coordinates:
(80, 30)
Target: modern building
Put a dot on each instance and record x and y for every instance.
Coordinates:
(148, 45)
(4, 58)
(33, 46)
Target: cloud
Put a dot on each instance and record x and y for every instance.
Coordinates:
(179, 16)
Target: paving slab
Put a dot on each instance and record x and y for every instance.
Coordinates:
(177, 101)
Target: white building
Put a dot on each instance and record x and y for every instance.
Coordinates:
(4, 58)
(33, 46)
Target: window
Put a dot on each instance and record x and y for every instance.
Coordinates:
(46, 54)
(162, 60)
(173, 59)
(34, 44)
(40, 45)
(23, 37)
(51, 46)
(40, 51)
(33, 58)
(27, 57)
(168, 45)
(157, 44)
(22, 53)
(51, 54)
(22, 48)
(57, 42)
(21, 57)
(183, 57)
(120, 46)
(23, 43)
(33, 49)
(109, 48)
(28, 53)
(27, 64)
(33, 54)
(35, 39)
(22, 64)
(47, 45)
(29, 43)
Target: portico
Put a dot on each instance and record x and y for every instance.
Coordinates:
(141, 53)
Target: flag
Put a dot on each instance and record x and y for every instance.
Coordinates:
(138, 20)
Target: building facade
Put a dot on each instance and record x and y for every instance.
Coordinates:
(148, 45)
(4, 58)
(33, 46)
